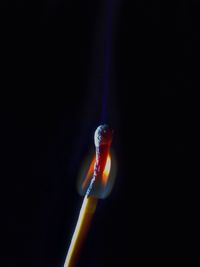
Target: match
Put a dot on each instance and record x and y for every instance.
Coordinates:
(102, 140)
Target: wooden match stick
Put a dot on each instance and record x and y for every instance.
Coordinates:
(85, 216)
(102, 140)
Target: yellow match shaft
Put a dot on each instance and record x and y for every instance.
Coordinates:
(85, 216)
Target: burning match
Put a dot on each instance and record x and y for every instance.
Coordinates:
(102, 140)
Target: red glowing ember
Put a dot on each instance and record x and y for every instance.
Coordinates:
(98, 173)
(105, 174)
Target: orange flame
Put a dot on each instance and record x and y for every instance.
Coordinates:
(89, 173)
(106, 171)
(105, 175)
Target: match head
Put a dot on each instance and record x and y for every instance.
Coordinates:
(103, 135)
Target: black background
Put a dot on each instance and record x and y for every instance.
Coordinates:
(48, 117)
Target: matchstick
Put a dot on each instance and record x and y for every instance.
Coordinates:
(84, 220)
(102, 140)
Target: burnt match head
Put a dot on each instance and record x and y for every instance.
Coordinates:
(103, 135)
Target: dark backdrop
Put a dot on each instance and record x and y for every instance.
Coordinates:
(49, 111)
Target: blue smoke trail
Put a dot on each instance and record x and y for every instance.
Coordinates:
(107, 60)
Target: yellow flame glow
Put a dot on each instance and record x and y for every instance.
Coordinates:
(105, 174)
(106, 171)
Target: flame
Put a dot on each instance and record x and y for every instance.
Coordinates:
(105, 174)
(89, 173)
(106, 171)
